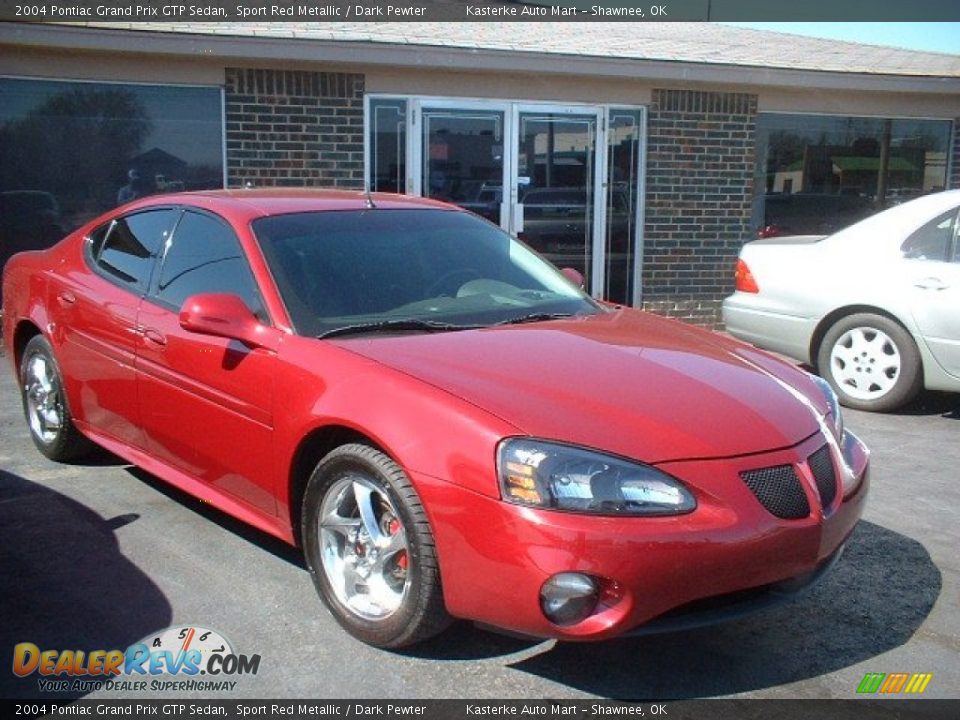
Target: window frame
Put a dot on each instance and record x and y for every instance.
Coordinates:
(950, 250)
(954, 256)
(262, 313)
(93, 260)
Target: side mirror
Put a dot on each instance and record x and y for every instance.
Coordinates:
(574, 276)
(225, 315)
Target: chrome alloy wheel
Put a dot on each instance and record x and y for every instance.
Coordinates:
(363, 548)
(865, 362)
(44, 399)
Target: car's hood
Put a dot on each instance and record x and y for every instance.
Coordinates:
(626, 382)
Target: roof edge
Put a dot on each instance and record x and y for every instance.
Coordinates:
(232, 47)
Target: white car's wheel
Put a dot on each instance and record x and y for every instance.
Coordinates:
(871, 362)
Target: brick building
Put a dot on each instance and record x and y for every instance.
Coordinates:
(644, 155)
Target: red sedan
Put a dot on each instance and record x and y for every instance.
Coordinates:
(446, 425)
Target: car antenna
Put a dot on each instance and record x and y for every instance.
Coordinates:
(368, 199)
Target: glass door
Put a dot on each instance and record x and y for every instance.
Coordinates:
(537, 170)
(462, 158)
(557, 190)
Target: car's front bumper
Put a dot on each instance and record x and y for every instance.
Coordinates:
(495, 556)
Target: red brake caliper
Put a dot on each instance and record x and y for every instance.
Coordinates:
(393, 528)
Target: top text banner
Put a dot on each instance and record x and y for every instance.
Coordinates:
(132, 11)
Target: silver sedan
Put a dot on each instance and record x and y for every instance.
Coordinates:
(874, 307)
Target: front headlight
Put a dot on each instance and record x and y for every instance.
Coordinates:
(549, 475)
(835, 417)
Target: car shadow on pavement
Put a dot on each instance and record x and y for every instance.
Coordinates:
(97, 457)
(466, 641)
(66, 585)
(874, 600)
(946, 405)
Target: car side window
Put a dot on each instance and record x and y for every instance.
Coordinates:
(205, 257)
(932, 241)
(126, 250)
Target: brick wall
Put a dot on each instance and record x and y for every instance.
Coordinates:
(294, 128)
(954, 180)
(698, 203)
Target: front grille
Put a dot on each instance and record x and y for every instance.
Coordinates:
(821, 465)
(779, 490)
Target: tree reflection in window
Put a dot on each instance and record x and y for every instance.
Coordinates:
(817, 173)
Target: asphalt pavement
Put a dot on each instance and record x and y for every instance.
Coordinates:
(99, 555)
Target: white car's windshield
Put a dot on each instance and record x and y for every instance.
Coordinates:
(355, 271)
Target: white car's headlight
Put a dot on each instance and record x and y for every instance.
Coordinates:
(835, 415)
(546, 474)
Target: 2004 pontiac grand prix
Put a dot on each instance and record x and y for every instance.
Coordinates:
(444, 423)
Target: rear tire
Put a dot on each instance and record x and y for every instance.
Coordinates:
(45, 404)
(871, 362)
(370, 550)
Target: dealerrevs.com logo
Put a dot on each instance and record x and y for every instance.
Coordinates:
(180, 658)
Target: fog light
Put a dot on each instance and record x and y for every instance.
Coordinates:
(568, 598)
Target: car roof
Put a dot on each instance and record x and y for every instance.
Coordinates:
(261, 202)
(894, 223)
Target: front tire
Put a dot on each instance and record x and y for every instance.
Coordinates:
(45, 404)
(872, 362)
(370, 550)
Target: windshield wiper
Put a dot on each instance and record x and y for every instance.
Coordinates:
(535, 317)
(398, 324)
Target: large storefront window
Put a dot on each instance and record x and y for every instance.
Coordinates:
(816, 174)
(72, 150)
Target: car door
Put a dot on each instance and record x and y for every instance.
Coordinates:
(96, 311)
(206, 402)
(932, 256)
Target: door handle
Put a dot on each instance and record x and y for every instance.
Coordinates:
(66, 298)
(931, 283)
(154, 336)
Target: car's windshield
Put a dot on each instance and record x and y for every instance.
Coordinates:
(410, 270)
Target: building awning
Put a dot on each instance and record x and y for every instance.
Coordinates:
(872, 164)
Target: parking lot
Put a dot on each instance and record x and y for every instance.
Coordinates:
(97, 556)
